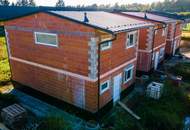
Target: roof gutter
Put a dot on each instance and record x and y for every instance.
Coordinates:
(153, 41)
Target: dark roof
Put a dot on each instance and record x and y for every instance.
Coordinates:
(10, 12)
(171, 15)
(97, 19)
(104, 20)
(167, 14)
(151, 16)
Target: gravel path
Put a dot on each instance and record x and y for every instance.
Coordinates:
(42, 109)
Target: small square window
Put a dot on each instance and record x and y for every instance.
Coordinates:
(105, 46)
(128, 74)
(104, 86)
(164, 32)
(131, 39)
(156, 32)
(162, 52)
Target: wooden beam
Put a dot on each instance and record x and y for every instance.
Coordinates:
(129, 110)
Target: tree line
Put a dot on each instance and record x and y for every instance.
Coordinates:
(166, 5)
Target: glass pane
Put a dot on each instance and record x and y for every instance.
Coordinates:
(129, 74)
(46, 39)
(104, 45)
(131, 39)
(104, 86)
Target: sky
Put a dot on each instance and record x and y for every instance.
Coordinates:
(89, 2)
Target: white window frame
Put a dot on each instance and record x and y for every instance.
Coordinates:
(127, 69)
(163, 31)
(106, 47)
(161, 49)
(135, 38)
(51, 34)
(105, 89)
(156, 31)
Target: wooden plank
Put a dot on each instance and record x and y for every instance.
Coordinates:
(129, 110)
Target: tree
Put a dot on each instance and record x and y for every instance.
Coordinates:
(4, 2)
(31, 3)
(22, 3)
(60, 3)
(12, 4)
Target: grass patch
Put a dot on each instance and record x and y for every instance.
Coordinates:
(186, 35)
(5, 73)
(167, 113)
(54, 123)
(184, 13)
(182, 69)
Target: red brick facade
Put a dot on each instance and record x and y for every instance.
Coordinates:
(147, 44)
(63, 71)
(173, 28)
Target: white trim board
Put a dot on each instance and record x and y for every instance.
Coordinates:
(117, 68)
(70, 73)
(173, 38)
(149, 51)
(52, 69)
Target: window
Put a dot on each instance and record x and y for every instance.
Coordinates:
(153, 55)
(49, 39)
(162, 50)
(131, 39)
(128, 74)
(104, 86)
(106, 45)
(163, 31)
(156, 31)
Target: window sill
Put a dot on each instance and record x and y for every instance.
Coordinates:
(39, 43)
(130, 46)
(125, 82)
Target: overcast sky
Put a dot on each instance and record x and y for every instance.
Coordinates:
(89, 2)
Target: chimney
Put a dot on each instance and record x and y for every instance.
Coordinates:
(145, 16)
(85, 18)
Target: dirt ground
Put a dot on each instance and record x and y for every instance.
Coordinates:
(185, 48)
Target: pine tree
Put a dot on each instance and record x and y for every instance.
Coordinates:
(22, 3)
(1, 2)
(4, 2)
(60, 3)
(12, 4)
(31, 3)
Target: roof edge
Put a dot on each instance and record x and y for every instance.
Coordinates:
(142, 17)
(73, 20)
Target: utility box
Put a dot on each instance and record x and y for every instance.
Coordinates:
(154, 90)
(14, 116)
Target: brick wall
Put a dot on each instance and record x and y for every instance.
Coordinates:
(63, 71)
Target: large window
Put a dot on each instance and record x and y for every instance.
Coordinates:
(104, 86)
(106, 45)
(128, 73)
(49, 39)
(131, 39)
